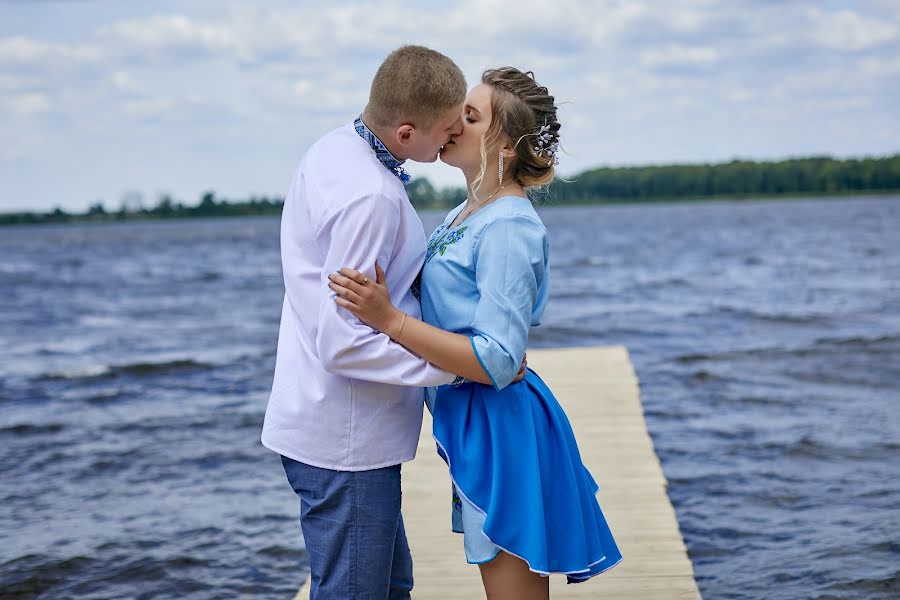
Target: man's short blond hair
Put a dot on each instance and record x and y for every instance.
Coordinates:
(414, 84)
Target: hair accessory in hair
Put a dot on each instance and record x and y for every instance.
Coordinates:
(544, 144)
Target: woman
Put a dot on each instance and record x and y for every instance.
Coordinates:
(521, 494)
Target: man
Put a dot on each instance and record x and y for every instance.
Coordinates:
(346, 403)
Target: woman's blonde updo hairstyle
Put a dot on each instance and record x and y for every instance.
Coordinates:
(519, 109)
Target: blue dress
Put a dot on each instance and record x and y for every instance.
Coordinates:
(519, 484)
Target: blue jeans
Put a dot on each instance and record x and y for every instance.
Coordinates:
(353, 532)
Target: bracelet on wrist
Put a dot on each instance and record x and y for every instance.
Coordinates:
(396, 338)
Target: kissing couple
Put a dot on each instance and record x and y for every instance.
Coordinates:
(377, 322)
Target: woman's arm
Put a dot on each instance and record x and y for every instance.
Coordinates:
(451, 352)
(370, 302)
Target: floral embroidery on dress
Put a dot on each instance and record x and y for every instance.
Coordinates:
(441, 238)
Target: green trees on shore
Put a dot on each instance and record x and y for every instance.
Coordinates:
(166, 208)
(738, 178)
(735, 179)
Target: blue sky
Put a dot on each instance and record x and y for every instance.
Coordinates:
(103, 99)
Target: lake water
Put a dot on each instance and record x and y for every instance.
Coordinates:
(136, 360)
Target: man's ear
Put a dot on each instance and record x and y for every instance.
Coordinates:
(404, 133)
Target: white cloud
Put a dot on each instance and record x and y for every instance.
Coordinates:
(696, 56)
(877, 67)
(148, 107)
(15, 83)
(125, 84)
(846, 30)
(177, 34)
(28, 104)
(21, 51)
(302, 88)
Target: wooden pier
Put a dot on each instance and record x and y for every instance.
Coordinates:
(598, 389)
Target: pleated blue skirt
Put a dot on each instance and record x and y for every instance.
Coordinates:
(512, 455)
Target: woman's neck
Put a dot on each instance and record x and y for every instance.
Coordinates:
(484, 195)
(489, 186)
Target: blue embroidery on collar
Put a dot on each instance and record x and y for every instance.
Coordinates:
(384, 155)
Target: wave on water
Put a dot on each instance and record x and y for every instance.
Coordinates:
(209, 276)
(772, 317)
(868, 344)
(888, 585)
(135, 369)
(582, 261)
(808, 447)
(232, 421)
(23, 429)
(31, 575)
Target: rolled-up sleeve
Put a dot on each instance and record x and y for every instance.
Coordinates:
(510, 264)
(355, 235)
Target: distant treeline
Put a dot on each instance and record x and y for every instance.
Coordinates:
(166, 208)
(735, 179)
(738, 178)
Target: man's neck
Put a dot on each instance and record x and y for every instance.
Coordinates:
(385, 136)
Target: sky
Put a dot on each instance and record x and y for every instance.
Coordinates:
(107, 100)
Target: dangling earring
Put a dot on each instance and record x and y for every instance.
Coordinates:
(501, 169)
